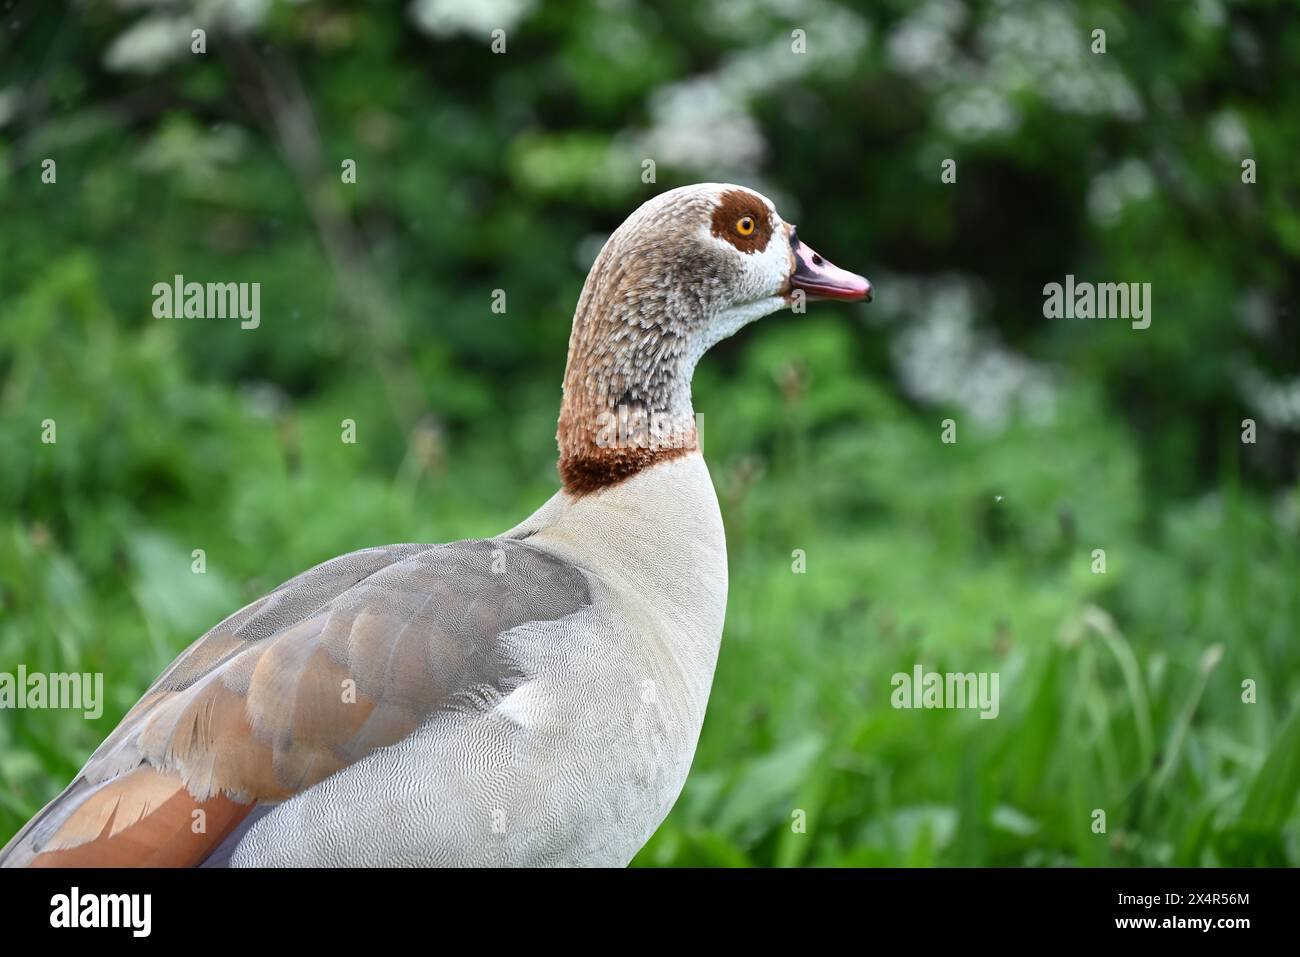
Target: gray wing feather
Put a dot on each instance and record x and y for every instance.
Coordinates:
(347, 657)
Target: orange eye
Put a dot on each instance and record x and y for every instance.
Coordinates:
(745, 225)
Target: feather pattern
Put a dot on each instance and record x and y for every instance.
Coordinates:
(345, 658)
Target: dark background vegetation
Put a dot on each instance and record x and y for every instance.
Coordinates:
(1120, 691)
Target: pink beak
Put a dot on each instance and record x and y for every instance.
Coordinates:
(822, 279)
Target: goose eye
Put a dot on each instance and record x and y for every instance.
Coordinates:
(745, 225)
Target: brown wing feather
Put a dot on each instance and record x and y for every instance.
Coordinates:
(142, 819)
(347, 657)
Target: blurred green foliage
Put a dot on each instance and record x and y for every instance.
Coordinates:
(479, 171)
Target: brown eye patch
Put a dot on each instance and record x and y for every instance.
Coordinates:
(743, 220)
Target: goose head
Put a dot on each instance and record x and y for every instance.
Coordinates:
(687, 269)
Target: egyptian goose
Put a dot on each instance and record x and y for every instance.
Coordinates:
(529, 699)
